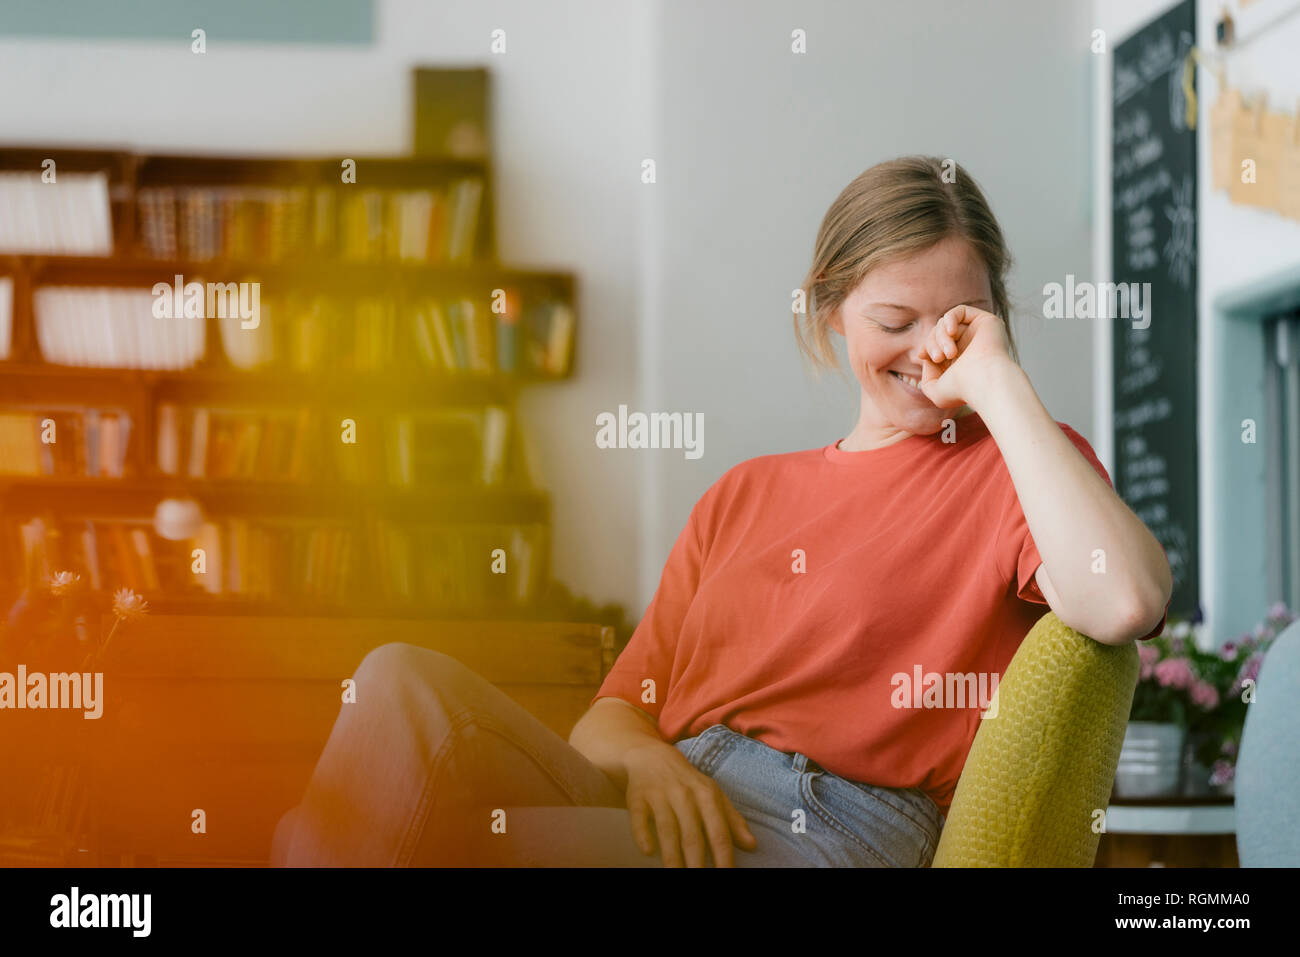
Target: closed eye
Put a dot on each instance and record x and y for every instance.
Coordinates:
(892, 328)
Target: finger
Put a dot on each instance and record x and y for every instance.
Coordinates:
(962, 314)
(929, 348)
(638, 813)
(952, 327)
(666, 830)
(739, 826)
(937, 342)
(967, 331)
(716, 825)
(934, 349)
(688, 823)
(949, 344)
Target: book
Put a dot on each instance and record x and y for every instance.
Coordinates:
(169, 442)
(248, 223)
(81, 442)
(6, 316)
(70, 216)
(113, 327)
(444, 565)
(198, 457)
(451, 111)
(212, 579)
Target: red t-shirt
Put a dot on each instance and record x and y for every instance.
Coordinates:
(915, 555)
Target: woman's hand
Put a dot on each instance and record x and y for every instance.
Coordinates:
(965, 346)
(690, 811)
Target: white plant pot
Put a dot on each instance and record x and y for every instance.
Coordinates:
(1151, 760)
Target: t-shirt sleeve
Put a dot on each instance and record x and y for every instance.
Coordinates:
(649, 654)
(1015, 529)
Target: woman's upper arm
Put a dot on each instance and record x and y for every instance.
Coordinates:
(642, 673)
(1044, 582)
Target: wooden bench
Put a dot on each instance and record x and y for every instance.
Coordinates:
(229, 714)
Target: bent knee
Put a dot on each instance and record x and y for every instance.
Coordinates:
(399, 660)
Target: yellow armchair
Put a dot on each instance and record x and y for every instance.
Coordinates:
(1039, 774)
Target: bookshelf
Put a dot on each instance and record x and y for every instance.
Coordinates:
(379, 303)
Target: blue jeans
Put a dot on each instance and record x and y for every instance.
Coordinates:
(434, 766)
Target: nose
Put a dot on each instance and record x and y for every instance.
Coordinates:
(917, 350)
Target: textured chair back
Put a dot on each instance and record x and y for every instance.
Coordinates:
(1039, 774)
(1267, 789)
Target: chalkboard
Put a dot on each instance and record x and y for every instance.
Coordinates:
(1153, 236)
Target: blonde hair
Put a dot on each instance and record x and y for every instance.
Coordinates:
(892, 210)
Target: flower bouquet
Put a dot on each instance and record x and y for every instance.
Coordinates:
(54, 630)
(1225, 686)
(1204, 690)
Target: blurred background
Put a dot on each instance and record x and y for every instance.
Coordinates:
(443, 216)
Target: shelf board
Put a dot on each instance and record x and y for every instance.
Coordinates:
(204, 169)
(203, 382)
(505, 503)
(321, 272)
(359, 607)
(374, 172)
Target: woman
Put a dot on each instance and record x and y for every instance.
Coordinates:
(764, 712)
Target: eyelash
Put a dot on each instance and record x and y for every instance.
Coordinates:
(892, 328)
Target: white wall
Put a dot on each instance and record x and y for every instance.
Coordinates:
(569, 126)
(755, 143)
(1237, 243)
(684, 285)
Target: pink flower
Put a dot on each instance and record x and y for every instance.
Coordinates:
(1148, 655)
(1229, 651)
(1174, 673)
(64, 583)
(1204, 695)
(1251, 670)
(128, 606)
(1222, 772)
(1279, 610)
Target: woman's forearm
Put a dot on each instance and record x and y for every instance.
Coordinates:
(608, 731)
(1109, 571)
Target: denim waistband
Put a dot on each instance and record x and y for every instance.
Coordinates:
(707, 749)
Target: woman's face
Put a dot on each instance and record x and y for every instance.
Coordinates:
(888, 317)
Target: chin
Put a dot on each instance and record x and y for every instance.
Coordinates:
(926, 424)
(926, 421)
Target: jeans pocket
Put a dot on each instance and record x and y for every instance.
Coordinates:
(912, 803)
(889, 827)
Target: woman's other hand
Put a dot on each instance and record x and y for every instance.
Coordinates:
(690, 812)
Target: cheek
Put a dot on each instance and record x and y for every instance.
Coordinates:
(868, 351)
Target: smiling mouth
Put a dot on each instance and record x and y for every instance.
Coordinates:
(909, 383)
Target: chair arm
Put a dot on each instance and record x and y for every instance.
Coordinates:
(1040, 771)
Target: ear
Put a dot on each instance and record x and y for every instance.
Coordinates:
(835, 321)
